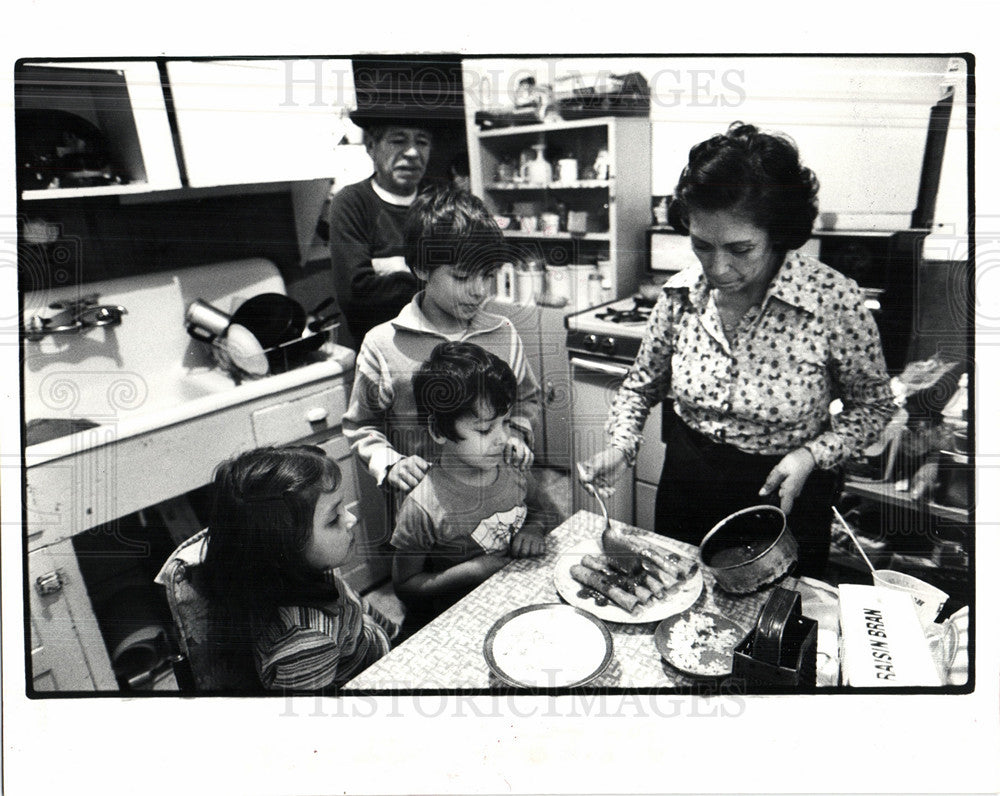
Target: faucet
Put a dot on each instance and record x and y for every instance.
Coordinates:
(74, 315)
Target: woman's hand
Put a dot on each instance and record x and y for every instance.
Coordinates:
(517, 454)
(602, 471)
(789, 476)
(407, 473)
(527, 542)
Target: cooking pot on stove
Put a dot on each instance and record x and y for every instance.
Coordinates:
(749, 549)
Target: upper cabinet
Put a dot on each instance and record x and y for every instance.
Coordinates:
(86, 129)
(257, 121)
(132, 127)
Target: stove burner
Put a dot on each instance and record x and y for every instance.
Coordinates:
(633, 314)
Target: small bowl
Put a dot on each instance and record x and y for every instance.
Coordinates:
(502, 221)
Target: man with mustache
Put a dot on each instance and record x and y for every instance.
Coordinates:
(401, 104)
(366, 228)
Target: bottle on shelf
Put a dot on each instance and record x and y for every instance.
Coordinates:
(537, 170)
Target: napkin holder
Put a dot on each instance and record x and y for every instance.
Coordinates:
(780, 653)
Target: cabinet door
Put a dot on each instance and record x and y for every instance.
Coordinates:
(555, 388)
(526, 320)
(371, 563)
(593, 385)
(67, 648)
(649, 461)
(645, 506)
(123, 102)
(271, 120)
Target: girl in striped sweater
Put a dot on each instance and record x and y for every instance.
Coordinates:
(278, 530)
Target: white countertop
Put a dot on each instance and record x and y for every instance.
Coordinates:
(221, 393)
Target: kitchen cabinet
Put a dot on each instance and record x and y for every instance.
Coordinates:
(648, 465)
(555, 387)
(96, 485)
(593, 386)
(605, 209)
(67, 652)
(238, 122)
(92, 129)
(544, 337)
(372, 563)
(259, 121)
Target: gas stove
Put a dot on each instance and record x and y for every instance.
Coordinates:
(613, 330)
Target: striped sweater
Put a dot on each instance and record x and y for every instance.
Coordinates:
(307, 648)
(382, 424)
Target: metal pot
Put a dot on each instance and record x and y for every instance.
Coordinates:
(205, 322)
(749, 549)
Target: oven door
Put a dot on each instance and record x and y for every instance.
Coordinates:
(593, 384)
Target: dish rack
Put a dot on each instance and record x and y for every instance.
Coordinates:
(281, 358)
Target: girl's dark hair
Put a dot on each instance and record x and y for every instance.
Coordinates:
(455, 379)
(756, 174)
(261, 522)
(446, 226)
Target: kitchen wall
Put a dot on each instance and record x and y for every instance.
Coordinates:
(860, 123)
(102, 238)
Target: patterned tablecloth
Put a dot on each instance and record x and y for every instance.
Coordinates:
(447, 654)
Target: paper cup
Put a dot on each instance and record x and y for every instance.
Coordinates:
(928, 599)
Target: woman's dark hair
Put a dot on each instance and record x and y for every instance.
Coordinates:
(446, 226)
(754, 173)
(455, 379)
(261, 522)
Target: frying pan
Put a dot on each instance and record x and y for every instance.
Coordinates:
(273, 318)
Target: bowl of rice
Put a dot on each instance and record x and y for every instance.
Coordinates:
(699, 643)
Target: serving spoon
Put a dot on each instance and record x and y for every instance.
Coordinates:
(600, 501)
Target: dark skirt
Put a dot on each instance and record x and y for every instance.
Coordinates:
(704, 481)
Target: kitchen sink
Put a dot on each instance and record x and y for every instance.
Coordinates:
(105, 384)
(191, 386)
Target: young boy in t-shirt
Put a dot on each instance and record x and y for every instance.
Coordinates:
(472, 513)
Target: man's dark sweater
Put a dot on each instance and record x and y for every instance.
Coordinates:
(366, 248)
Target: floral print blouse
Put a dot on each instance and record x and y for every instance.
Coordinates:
(769, 391)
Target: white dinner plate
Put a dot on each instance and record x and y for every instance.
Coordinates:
(659, 608)
(547, 646)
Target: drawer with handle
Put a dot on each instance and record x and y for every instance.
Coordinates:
(300, 418)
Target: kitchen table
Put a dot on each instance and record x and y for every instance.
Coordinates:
(447, 653)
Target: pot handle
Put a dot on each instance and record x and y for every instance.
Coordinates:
(200, 333)
(774, 617)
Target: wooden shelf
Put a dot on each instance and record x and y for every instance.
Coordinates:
(546, 127)
(35, 194)
(886, 492)
(516, 233)
(551, 186)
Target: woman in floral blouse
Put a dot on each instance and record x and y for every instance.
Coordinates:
(752, 348)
